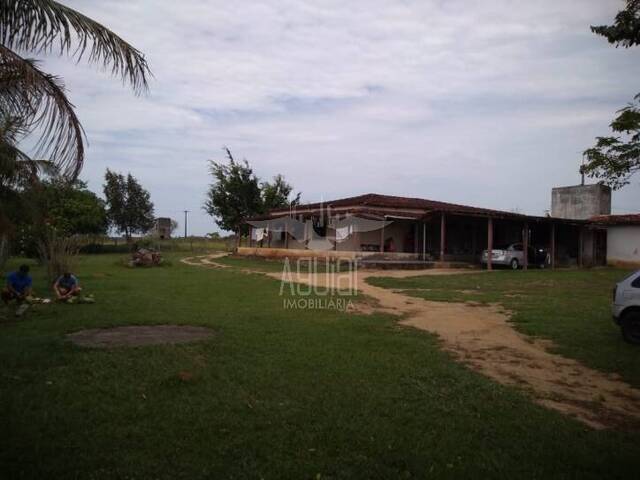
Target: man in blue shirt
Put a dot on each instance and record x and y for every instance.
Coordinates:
(18, 285)
(66, 286)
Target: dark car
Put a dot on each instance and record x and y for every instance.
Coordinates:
(539, 256)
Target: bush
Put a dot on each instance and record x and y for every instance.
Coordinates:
(58, 253)
(96, 248)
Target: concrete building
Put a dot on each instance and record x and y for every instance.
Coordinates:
(580, 202)
(162, 228)
(610, 239)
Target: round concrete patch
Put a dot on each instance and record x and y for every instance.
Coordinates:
(134, 336)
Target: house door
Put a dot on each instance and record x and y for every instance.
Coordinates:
(600, 247)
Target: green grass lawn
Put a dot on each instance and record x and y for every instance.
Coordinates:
(254, 263)
(570, 307)
(275, 394)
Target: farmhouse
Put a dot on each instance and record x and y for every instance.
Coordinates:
(406, 230)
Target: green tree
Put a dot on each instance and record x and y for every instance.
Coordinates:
(277, 194)
(18, 173)
(614, 159)
(39, 99)
(71, 208)
(234, 195)
(54, 210)
(129, 207)
(625, 30)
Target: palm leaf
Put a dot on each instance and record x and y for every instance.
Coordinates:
(46, 25)
(39, 100)
(17, 169)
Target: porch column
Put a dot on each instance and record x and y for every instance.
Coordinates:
(443, 236)
(552, 247)
(489, 243)
(424, 241)
(580, 246)
(474, 239)
(525, 246)
(250, 235)
(382, 239)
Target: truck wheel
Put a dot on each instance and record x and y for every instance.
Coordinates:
(514, 264)
(630, 325)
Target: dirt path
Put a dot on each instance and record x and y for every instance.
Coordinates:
(482, 338)
(206, 260)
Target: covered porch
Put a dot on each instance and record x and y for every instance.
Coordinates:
(412, 239)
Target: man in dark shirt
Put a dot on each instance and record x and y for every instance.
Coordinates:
(18, 285)
(66, 286)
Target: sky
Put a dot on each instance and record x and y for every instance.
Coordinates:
(486, 103)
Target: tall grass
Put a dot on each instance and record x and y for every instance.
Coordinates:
(58, 253)
(187, 245)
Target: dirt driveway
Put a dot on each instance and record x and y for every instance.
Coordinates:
(482, 338)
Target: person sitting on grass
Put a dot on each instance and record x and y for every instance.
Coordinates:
(18, 286)
(66, 286)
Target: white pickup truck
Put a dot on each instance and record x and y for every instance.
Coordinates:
(626, 307)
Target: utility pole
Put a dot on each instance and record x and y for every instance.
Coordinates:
(185, 223)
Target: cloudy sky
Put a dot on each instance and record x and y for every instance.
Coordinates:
(485, 103)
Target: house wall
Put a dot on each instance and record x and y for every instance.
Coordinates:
(623, 245)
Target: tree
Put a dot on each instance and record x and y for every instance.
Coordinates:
(18, 173)
(129, 208)
(71, 208)
(17, 170)
(174, 226)
(54, 210)
(625, 30)
(614, 159)
(39, 99)
(277, 194)
(235, 194)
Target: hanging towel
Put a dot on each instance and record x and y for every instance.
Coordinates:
(342, 233)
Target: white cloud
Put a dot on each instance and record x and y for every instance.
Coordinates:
(487, 103)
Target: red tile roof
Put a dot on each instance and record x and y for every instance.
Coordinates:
(374, 200)
(627, 219)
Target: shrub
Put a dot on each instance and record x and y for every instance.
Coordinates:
(58, 253)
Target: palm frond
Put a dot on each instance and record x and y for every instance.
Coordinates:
(17, 169)
(46, 25)
(39, 100)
